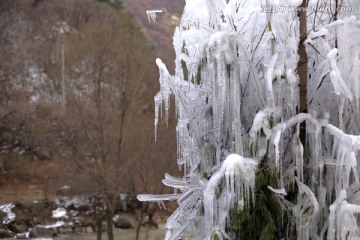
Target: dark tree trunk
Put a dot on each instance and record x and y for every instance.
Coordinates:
(302, 69)
(139, 225)
(98, 229)
(110, 232)
(97, 217)
(110, 206)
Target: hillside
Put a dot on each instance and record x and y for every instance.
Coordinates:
(62, 119)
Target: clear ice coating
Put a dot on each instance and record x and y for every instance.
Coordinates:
(236, 96)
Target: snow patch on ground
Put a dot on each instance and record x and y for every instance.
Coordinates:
(7, 209)
(54, 225)
(59, 213)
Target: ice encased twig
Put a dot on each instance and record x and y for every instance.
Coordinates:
(151, 14)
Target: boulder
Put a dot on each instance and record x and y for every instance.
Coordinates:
(124, 221)
(18, 226)
(82, 222)
(68, 229)
(42, 232)
(5, 234)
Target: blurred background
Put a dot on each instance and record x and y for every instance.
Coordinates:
(77, 83)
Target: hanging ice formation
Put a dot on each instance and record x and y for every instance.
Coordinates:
(236, 97)
(151, 14)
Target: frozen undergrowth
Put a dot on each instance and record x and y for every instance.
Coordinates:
(236, 95)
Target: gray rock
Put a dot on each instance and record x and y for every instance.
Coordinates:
(65, 229)
(83, 222)
(18, 226)
(41, 232)
(124, 221)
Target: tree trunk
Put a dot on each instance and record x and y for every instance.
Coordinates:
(109, 220)
(302, 69)
(98, 229)
(139, 226)
(98, 218)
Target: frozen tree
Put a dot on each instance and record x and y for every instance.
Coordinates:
(267, 100)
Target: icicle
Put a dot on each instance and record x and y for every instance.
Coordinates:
(158, 102)
(292, 80)
(276, 143)
(332, 218)
(336, 79)
(306, 211)
(235, 109)
(298, 151)
(342, 222)
(269, 79)
(347, 223)
(317, 151)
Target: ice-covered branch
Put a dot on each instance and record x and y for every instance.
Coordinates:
(352, 140)
(152, 14)
(336, 132)
(157, 198)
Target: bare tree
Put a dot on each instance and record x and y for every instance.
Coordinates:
(110, 53)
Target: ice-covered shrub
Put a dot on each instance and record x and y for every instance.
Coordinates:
(247, 172)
